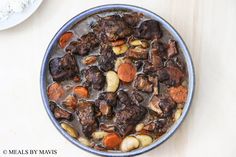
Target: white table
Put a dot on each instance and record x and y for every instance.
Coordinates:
(209, 30)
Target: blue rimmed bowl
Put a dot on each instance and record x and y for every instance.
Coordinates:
(92, 11)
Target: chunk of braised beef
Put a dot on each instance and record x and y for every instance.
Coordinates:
(105, 108)
(143, 84)
(149, 29)
(163, 75)
(163, 124)
(52, 105)
(105, 102)
(107, 59)
(154, 64)
(110, 97)
(154, 104)
(180, 63)
(149, 68)
(176, 62)
(95, 77)
(137, 53)
(132, 19)
(157, 126)
(63, 68)
(155, 59)
(72, 47)
(114, 27)
(172, 48)
(123, 98)
(137, 97)
(127, 118)
(60, 113)
(84, 45)
(171, 76)
(161, 48)
(86, 116)
(166, 104)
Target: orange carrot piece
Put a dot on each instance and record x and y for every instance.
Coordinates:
(126, 72)
(65, 38)
(55, 91)
(81, 91)
(112, 141)
(178, 94)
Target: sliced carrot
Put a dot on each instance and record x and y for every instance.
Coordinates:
(112, 141)
(126, 72)
(55, 91)
(178, 94)
(65, 38)
(81, 91)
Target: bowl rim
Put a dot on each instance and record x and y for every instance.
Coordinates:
(166, 25)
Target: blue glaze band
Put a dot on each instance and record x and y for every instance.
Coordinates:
(166, 25)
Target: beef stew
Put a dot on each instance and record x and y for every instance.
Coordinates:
(117, 81)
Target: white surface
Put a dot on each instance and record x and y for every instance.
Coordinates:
(209, 30)
(18, 13)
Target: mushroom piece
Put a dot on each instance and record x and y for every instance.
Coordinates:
(172, 48)
(137, 53)
(154, 80)
(154, 105)
(142, 83)
(89, 60)
(107, 127)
